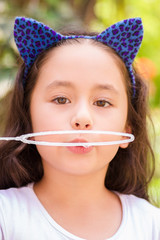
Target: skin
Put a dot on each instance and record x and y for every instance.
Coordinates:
(80, 87)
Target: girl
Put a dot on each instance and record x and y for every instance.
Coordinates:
(77, 82)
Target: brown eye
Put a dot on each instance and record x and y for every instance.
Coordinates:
(61, 100)
(102, 103)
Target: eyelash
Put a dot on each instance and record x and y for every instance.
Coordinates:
(58, 98)
(102, 101)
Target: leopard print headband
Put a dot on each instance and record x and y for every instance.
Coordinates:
(33, 37)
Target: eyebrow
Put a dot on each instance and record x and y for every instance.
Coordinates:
(57, 83)
(68, 84)
(108, 87)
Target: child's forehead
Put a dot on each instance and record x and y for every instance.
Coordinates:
(84, 50)
(80, 64)
(79, 60)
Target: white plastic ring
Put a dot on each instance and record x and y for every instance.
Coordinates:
(24, 138)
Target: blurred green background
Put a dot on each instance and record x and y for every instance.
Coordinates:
(95, 15)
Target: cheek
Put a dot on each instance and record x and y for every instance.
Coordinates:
(43, 118)
(119, 120)
(107, 153)
(114, 120)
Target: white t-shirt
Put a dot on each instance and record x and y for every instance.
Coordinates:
(23, 217)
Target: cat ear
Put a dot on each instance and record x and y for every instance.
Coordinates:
(125, 37)
(32, 38)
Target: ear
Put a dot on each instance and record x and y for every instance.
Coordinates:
(125, 37)
(126, 130)
(32, 38)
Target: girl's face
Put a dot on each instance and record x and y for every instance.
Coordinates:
(80, 87)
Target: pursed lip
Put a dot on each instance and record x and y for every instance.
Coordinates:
(79, 149)
(79, 140)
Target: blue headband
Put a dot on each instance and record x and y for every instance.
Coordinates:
(33, 37)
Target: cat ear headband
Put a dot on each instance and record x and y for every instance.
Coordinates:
(33, 37)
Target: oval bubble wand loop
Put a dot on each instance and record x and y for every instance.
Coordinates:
(24, 138)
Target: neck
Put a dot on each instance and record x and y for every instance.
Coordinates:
(74, 201)
(72, 188)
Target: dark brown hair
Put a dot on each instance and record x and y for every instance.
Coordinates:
(129, 172)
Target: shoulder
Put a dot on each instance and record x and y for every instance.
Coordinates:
(141, 215)
(14, 194)
(15, 209)
(14, 199)
(139, 204)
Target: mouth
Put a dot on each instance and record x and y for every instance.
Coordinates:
(80, 149)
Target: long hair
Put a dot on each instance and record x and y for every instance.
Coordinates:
(129, 172)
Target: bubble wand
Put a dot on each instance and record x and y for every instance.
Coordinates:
(24, 138)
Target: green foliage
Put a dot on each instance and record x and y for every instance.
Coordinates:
(154, 186)
(156, 143)
(154, 192)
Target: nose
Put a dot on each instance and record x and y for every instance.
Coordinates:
(82, 119)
